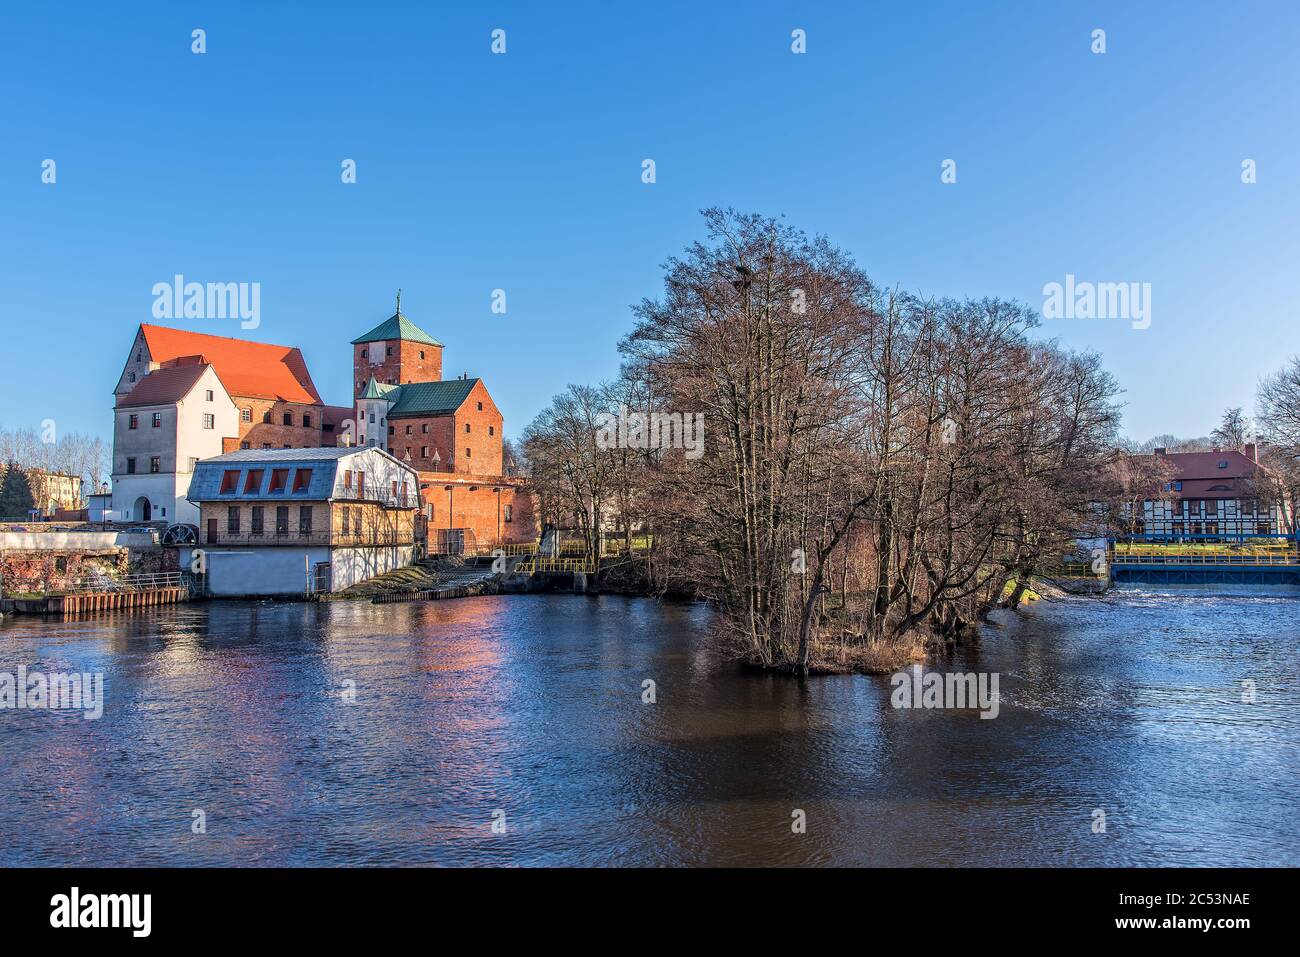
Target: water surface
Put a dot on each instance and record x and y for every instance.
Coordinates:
(532, 706)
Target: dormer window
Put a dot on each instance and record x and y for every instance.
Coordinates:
(229, 480)
(1223, 464)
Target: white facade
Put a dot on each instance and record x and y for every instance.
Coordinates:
(325, 560)
(154, 464)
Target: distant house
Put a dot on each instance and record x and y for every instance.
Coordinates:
(288, 521)
(1211, 494)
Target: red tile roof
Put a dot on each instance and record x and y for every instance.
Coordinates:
(163, 386)
(1202, 478)
(252, 369)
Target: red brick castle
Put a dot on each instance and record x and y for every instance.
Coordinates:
(449, 430)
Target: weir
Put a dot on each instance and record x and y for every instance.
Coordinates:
(1271, 564)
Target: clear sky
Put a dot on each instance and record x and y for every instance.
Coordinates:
(522, 172)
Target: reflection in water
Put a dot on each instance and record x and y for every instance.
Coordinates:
(532, 705)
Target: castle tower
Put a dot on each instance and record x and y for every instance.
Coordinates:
(395, 352)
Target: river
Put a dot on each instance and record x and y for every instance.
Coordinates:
(360, 734)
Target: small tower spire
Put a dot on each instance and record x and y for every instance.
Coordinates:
(399, 302)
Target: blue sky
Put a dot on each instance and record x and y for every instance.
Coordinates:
(523, 172)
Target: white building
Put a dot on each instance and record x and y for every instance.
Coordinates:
(291, 521)
(170, 421)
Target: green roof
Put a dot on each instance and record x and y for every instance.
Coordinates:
(374, 390)
(397, 326)
(431, 398)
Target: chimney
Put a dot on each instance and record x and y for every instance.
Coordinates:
(1251, 451)
(1160, 451)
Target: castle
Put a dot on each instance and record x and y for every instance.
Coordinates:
(184, 397)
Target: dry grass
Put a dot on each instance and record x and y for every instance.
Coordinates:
(833, 656)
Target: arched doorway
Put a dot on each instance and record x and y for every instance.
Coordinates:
(143, 509)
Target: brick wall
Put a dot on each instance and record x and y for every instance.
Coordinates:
(258, 432)
(473, 506)
(44, 571)
(409, 362)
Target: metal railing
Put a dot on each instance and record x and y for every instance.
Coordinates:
(532, 566)
(300, 538)
(141, 582)
(1288, 558)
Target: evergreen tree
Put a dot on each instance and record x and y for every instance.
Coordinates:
(15, 493)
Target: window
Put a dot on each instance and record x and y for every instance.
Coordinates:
(480, 406)
(266, 445)
(467, 452)
(229, 480)
(363, 352)
(421, 353)
(256, 523)
(208, 395)
(361, 484)
(266, 418)
(209, 420)
(408, 430)
(279, 477)
(347, 478)
(424, 428)
(467, 428)
(388, 350)
(507, 512)
(288, 418)
(245, 415)
(61, 564)
(155, 464)
(390, 450)
(282, 520)
(356, 521)
(381, 420)
(408, 451)
(232, 519)
(372, 418)
(130, 466)
(245, 445)
(391, 430)
(394, 488)
(347, 523)
(194, 463)
(424, 451)
(253, 481)
(306, 420)
(130, 377)
(326, 427)
(304, 520)
(133, 421)
(157, 420)
(139, 355)
(301, 479)
(492, 430)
